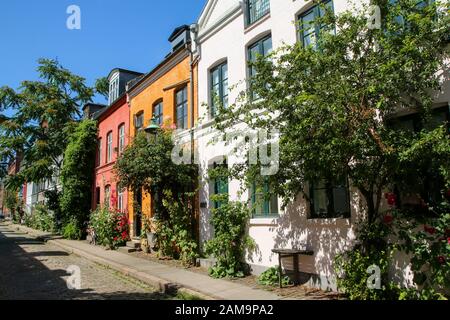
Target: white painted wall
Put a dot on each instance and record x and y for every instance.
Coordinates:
(223, 36)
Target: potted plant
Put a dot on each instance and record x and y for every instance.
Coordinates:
(144, 246)
(150, 236)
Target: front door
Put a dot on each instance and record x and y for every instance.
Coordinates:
(138, 215)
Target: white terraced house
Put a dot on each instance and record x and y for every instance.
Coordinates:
(230, 33)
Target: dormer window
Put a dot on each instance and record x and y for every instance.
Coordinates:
(114, 88)
(256, 9)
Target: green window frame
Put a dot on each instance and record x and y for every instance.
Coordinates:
(158, 115)
(181, 108)
(430, 191)
(329, 200)
(257, 9)
(420, 6)
(310, 29)
(264, 202)
(220, 185)
(262, 47)
(219, 87)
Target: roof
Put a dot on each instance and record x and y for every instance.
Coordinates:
(124, 71)
(93, 104)
(178, 31)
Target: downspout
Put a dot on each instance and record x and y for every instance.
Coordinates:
(192, 50)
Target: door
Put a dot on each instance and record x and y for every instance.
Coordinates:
(138, 214)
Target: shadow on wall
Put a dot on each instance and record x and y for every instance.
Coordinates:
(326, 237)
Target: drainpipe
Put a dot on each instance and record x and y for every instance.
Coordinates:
(194, 32)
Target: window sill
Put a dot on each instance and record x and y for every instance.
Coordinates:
(329, 220)
(253, 25)
(269, 221)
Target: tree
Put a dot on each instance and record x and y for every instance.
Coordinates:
(77, 174)
(332, 102)
(45, 113)
(147, 164)
(102, 87)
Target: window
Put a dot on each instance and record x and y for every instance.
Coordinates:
(260, 48)
(181, 108)
(310, 29)
(158, 113)
(264, 203)
(121, 142)
(100, 147)
(220, 185)
(420, 6)
(109, 151)
(114, 89)
(219, 87)
(107, 202)
(97, 196)
(329, 199)
(428, 183)
(256, 9)
(138, 122)
(120, 200)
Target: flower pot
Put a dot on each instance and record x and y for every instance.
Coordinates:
(144, 245)
(152, 241)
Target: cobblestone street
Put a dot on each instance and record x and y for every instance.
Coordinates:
(31, 269)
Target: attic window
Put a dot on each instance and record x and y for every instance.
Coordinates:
(114, 88)
(178, 45)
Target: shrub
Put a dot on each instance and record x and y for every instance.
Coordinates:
(270, 277)
(230, 239)
(71, 231)
(111, 227)
(77, 174)
(41, 219)
(175, 237)
(428, 241)
(353, 266)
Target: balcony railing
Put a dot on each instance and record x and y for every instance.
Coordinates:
(256, 9)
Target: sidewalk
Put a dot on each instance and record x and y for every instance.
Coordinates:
(158, 275)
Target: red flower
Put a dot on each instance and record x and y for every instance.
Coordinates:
(115, 238)
(391, 198)
(429, 230)
(441, 259)
(448, 240)
(447, 194)
(388, 219)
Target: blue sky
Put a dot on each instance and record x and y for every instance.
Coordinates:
(114, 33)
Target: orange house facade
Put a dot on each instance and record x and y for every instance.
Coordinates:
(167, 95)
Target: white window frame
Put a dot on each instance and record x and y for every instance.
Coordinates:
(109, 142)
(121, 138)
(120, 200)
(114, 88)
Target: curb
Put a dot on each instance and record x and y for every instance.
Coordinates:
(162, 285)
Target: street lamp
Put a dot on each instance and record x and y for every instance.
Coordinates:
(152, 129)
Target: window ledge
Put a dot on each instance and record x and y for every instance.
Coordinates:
(264, 221)
(250, 27)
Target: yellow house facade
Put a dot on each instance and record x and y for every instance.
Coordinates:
(168, 96)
